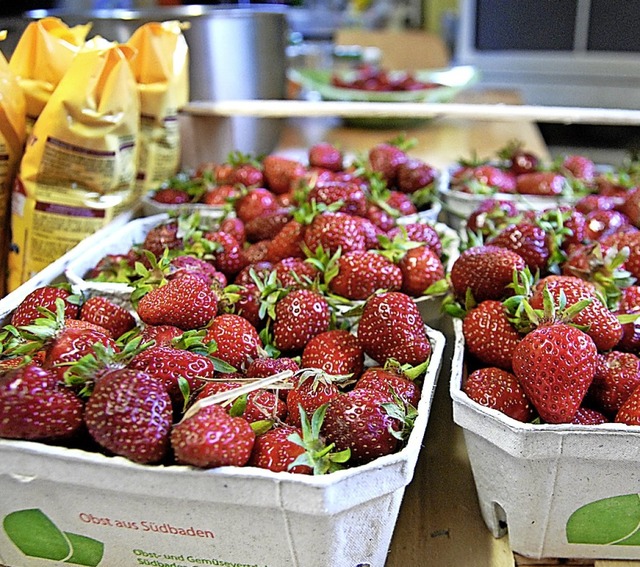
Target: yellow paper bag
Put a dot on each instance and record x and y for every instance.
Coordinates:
(79, 165)
(41, 58)
(12, 137)
(161, 68)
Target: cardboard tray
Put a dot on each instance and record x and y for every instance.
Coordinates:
(559, 490)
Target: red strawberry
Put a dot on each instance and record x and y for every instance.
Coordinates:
(186, 302)
(104, 312)
(332, 231)
(171, 196)
(210, 438)
(311, 390)
(483, 179)
(229, 259)
(255, 203)
(165, 235)
(248, 175)
(381, 219)
(485, 271)
(381, 380)
(581, 167)
(267, 226)
(401, 203)
(34, 406)
(631, 206)
(220, 195)
(337, 352)
(357, 421)
(415, 174)
(491, 215)
(617, 376)
(281, 173)
(500, 390)
(129, 413)
(595, 202)
(235, 227)
(385, 159)
(187, 264)
(256, 252)
(489, 335)
(391, 327)
(630, 303)
(361, 273)
(421, 267)
(45, 297)
(419, 232)
(602, 223)
(529, 241)
(168, 365)
(299, 316)
(264, 367)
(275, 451)
(247, 305)
(325, 156)
(161, 334)
(295, 272)
(555, 365)
(287, 242)
(349, 193)
(589, 416)
(237, 340)
(540, 183)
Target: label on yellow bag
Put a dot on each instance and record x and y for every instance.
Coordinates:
(41, 58)
(161, 68)
(12, 137)
(79, 165)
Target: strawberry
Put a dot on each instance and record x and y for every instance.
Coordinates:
(518, 159)
(104, 312)
(114, 267)
(235, 227)
(164, 235)
(129, 414)
(263, 367)
(631, 206)
(602, 223)
(421, 267)
(333, 231)
(415, 174)
(489, 335)
(500, 390)
(580, 167)
(529, 241)
(361, 273)
(483, 179)
(169, 365)
(391, 327)
(171, 196)
(370, 232)
(44, 297)
(281, 173)
(589, 416)
(256, 252)
(326, 156)
(34, 406)
(419, 232)
(210, 437)
(299, 316)
(295, 272)
(349, 194)
(255, 203)
(491, 215)
(629, 304)
(387, 380)
(400, 203)
(555, 365)
(275, 451)
(247, 305)
(485, 271)
(161, 334)
(287, 242)
(617, 376)
(187, 264)
(595, 202)
(311, 390)
(267, 226)
(248, 174)
(545, 183)
(385, 159)
(186, 303)
(357, 420)
(237, 340)
(337, 352)
(220, 195)
(229, 258)
(382, 219)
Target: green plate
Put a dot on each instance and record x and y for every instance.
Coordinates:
(452, 79)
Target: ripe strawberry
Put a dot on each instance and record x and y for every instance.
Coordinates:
(617, 376)
(287, 242)
(483, 179)
(34, 406)
(161, 334)
(601, 223)
(385, 159)
(168, 365)
(349, 193)
(630, 303)
(164, 235)
(337, 352)
(500, 390)
(555, 365)
(332, 231)
(210, 438)
(311, 390)
(266, 227)
(229, 258)
(491, 215)
(370, 232)
(186, 303)
(299, 316)
(419, 232)
(391, 327)
(520, 161)
(595, 202)
(581, 167)
(485, 271)
(104, 312)
(529, 241)
(237, 340)
(358, 421)
(415, 174)
(326, 156)
(220, 195)
(256, 252)
(380, 218)
(275, 451)
(129, 414)
(295, 272)
(382, 380)
(247, 305)
(361, 273)
(489, 335)
(171, 196)
(401, 203)
(187, 264)
(45, 297)
(263, 367)
(589, 416)
(248, 174)
(281, 173)
(421, 267)
(545, 183)
(235, 227)
(631, 206)
(255, 203)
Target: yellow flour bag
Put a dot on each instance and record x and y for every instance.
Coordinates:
(12, 137)
(41, 58)
(161, 68)
(78, 169)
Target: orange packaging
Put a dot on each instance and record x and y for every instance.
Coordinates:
(79, 166)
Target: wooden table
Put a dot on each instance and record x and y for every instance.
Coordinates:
(439, 523)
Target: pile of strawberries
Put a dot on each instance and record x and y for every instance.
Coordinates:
(549, 303)
(282, 336)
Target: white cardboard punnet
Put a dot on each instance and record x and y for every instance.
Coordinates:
(561, 491)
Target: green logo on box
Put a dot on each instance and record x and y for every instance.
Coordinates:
(610, 521)
(35, 535)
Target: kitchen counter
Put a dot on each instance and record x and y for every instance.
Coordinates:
(439, 523)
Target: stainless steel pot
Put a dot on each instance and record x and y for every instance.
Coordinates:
(235, 52)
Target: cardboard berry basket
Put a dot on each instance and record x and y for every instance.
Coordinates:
(564, 491)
